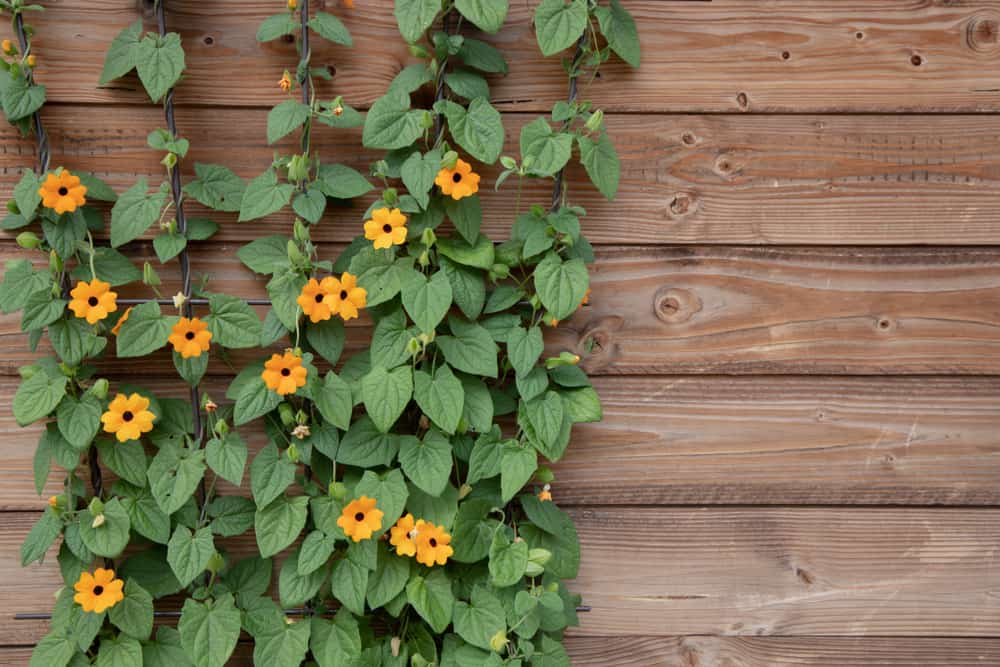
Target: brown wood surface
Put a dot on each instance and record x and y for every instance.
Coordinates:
(729, 571)
(746, 179)
(727, 55)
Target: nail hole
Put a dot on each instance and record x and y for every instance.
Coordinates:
(332, 69)
(785, 55)
(209, 40)
(916, 60)
(884, 323)
(742, 100)
(597, 75)
(859, 35)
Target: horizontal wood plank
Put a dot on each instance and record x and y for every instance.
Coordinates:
(675, 440)
(730, 571)
(694, 310)
(728, 55)
(830, 180)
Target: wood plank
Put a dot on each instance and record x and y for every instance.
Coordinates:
(675, 440)
(730, 55)
(731, 571)
(741, 179)
(694, 310)
(731, 652)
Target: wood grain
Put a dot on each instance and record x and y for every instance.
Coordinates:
(675, 440)
(728, 55)
(745, 179)
(731, 571)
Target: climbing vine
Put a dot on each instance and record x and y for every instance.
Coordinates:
(404, 495)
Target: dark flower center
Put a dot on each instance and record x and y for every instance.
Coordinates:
(386, 228)
(98, 590)
(319, 298)
(360, 516)
(457, 177)
(63, 191)
(189, 335)
(93, 301)
(343, 294)
(433, 542)
(127, 415)
(286, 372)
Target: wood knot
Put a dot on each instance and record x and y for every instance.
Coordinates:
(724, 165)
(682, 204)
(742, 101)
(982, 34)
(885, 324)
(916, 60)
(208, 40)
(803, 576)
(596, 344)
(689, 139)
(674, 305)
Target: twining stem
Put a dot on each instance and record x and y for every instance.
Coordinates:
(557, 185)
(439, 89)
(41, 139)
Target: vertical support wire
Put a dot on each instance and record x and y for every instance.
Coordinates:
(558, 185)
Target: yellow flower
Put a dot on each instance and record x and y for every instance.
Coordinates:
(128, 417)
(99, 591)
(31, 60)
(433, 544)
(349, 298)
(292, 5)
(62, 192)
(285, 82)
(401, 536)
(93, 300)
(360, 519)
(121, 320)
(386, 228)
(458, 182)
(284, 373)
(190, 337)
(53, 501)
(317, 300)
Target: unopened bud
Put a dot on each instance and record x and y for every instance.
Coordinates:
(150, 276)
(300, 230)
(499, 641)
(413, 347)
(418, 51)
(428, 237)
(100, 389)
(449, 159)
(390, 196)
(295, 255)
(210, 405)
(96, 506)
(424, 259)
(169, 160)
(293, 453)
(508, 162)
(464, 491)
(28, 240)
(286, 414)
(595, 121)
(215, 563)
(427, 120)
(337, 490)
(55, 262)
(501, 270)
(221, 427)
(394, 644)
(98, 521)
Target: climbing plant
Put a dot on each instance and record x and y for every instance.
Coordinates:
(404, 494)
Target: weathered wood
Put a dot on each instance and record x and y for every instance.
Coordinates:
(728, 55)
(741, 571)
(732, 652)
(680, 310)
(747, 179)
(719, 440)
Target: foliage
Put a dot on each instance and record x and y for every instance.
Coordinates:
(406, 486)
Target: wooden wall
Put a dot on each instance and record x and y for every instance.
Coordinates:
(795, 321)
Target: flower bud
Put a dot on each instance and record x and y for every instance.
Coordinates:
(508, 162)
(55, 262)
(293, 5)
(390, 196)
(462, 427)
(464, 491)
(337, 490)
(287, 416)
(150, 276)
(169, 161)
(501, 270)
(449, 160)
(298, 168)
(428, 237)
(98, 521)
(215, 563)
(427, 120)
(96, 506)
(28, 240)
(100, 389)
(293, 453)
(394, 645)
(8, 47)
(545, 475)
(418, 51)
(295, 255)
(27, 372)
(424, 259)
(54, 502)
(595, 121)
(539, 556)
(413, 347)
(499, 641)
(553, 587)
(300, 230)
(221, 427)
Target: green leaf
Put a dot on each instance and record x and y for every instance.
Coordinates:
(418, 173)
(251, 576)
(389, 578)
(316, 549)
(278, 524)
(125, 459)
(517, 465)
(482, 56)
(427, 300)
(41, 536)
(74, 340)
(38, 396)
(348, 583)
(41, 310)
(26, 194)
(227, 456)
(390, 494)
(231, 515)
(330, 28)
(478, 621)
(120, 651)
(524, 347)
(478, 129)
(285, 648)
(64, 234)
(441, 398)
(487, 15)
(21, 99)
(192, 369)
(168, 246)
(295, 588)
(134, 614)
(310, 204)
(431, 596)
(160, 62)
(600, 160)
(558, 25)
(467, 287)
(336, 643)
(386, 394)
(253, 401)
(216, 187)
(365, 446)
(479, 255)
(123, 54)
(415, 17)
(546, 417)
(267, 255)
(209, 631)
(508, 560)
(326, 338)
(582, 404)
(333, 400)
(427, 462)
(109, 538)
(484, 462)
(390, 123)
(165, 650)
(555, 532)
(145, 330)
(201, 229)
(173, 478)
(390, 338)
(561, 285)
(285, 118)
(549, 151)
(470, 348)
(342, 182)
(97, 189)
(135, 212)
(19, 282)
(473, 531)
(277, 25)
(270, 474)
(467, 216)
(233, 323)
(56, 649)
(264, 195)
(618, 27)
(467, 84)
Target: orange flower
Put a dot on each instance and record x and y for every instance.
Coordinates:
(190, 337)
(284, 373)
(121, 320)
(62, 192)
(360, 519)
(349, 4)
(93, 300)
(401, 536)
(317, 298)
(433, 544)
(99, 591)
(31, 60)
(128, 417)
(292, 5)
(458, 182)
(349, 298)
(545, 494)
(7, 47)
(53, 501)
(386, 228)
(285, 82)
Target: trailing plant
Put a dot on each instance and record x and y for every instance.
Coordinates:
(405, 490)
